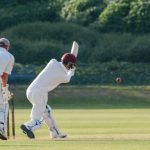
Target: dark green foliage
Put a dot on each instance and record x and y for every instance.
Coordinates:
(103, 15)
(18, 11)
(39, 42)
(36, 36)
(97, 73)
(139, 16)
(55, 7)
(10, 3)
(112, 18)
(126, 16)
(106, 73)
(140, 50)
(82, 11)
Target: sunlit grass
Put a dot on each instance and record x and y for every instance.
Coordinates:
(107, 129)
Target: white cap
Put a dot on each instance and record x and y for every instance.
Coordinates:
(4, 42)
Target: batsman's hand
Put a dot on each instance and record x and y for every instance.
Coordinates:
(72, 71)
(7, 95)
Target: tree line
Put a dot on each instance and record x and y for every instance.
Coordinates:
(113, 36)
(102, 15)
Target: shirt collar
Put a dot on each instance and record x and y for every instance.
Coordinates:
(63, 67)
(2, 49)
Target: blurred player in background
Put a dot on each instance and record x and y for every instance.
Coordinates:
(50, 77)
(6, 66)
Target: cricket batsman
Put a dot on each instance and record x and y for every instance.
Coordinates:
(50, 77)
(6, 66)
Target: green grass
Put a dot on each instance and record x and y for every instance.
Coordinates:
(95, 118)
(88, 129)
(87, 97)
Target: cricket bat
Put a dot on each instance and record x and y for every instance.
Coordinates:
(74, 49)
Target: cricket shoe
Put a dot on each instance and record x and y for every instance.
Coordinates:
(30, 126)
(59, 136)
(2, 135)
(26, 131)
(55, 134)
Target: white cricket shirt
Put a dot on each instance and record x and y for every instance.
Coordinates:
(51, 76)
(6, 61)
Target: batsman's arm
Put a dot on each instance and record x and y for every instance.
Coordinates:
(5, 88)
(4, 79)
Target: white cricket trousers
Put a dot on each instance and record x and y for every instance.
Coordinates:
(38, 99)
(1, 97)
(4, 107)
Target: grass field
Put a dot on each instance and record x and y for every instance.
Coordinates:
(109, 122)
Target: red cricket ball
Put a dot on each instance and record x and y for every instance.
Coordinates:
(118, 80)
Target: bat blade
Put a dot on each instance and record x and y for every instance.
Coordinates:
(74, 49)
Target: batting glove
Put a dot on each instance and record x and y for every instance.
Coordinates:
(6, 93)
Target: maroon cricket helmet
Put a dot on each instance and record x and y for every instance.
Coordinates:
(68, 57)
